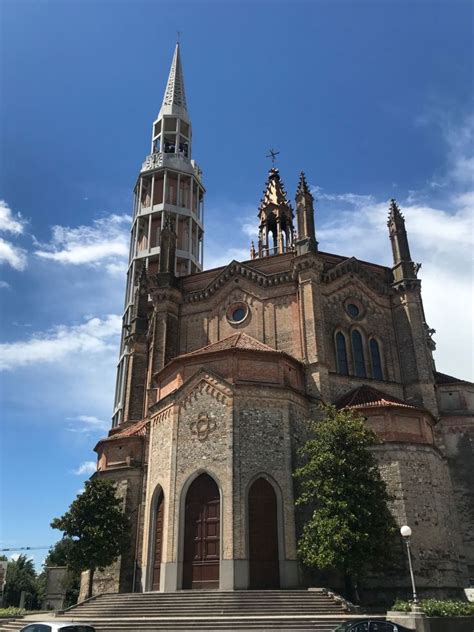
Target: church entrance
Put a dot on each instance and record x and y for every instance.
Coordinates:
(202, 534)
(263, 536)
(158, 542)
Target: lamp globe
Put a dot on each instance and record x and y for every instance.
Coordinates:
(405, 531)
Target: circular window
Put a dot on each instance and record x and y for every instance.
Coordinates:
(353, 310)
(237, 313)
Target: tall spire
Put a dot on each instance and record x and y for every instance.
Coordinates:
(306, 237)
(168, 223)
(174, 100)
(403, 266)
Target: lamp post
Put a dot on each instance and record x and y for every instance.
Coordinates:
(406, 534)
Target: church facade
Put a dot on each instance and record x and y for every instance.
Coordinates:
(221, 369)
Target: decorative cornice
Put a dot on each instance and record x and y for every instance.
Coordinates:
(354, 266)
(306, 262)
(235, 269)
(210, 386)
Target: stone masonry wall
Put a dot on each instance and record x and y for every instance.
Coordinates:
(417, 477)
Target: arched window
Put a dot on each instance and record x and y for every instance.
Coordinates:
(358, 354)
(341, 354)
(377, 373)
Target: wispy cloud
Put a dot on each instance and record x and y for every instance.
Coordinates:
(104, 242)
(61, 343)
(4, 285)
(87, 467)
(13, 224)
(10, 222)
(87, 424)
(215, 260)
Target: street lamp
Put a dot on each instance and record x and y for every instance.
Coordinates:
(406, 534)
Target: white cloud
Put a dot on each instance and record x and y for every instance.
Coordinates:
(13, 255)
(87, 467)
(87, 424)
(10, 253)
(8, 222)
(63, 343)
(4, 285)
(117, 269)
(347, 198)
(217, 259)
(105, 242)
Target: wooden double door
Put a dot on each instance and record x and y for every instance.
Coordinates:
(264, 564)
(201, 557)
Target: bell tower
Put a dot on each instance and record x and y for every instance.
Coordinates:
(168, 203)
(276, 231)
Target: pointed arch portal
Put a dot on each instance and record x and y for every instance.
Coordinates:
(202, 534)
(263, 536)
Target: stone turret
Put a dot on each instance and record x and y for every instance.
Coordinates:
(403, 267)
(276, 232)
(306, 235)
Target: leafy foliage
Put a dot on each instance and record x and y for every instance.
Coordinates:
(439, 608)
(6, 613)
(21, 575)
(96, 526)
(350, 527)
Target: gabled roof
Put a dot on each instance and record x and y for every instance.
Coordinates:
(137, 429)
(366, 397)
(444, 378)
(240, 340)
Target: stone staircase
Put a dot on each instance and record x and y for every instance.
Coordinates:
(208, 611)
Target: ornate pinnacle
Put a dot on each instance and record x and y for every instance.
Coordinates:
(303, 188)
(394, 213)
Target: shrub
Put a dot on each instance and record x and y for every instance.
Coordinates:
(11, 612)
(439, 608)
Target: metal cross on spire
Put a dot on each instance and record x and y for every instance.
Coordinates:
(273, 154)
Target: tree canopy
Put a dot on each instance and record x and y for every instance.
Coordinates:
(96, 526)
(350, 527)
(21, 576)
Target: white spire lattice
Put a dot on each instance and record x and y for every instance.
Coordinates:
(174, 94)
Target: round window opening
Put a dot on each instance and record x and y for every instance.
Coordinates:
(353, 310)
(237, 313)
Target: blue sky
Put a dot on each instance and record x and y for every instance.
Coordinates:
(371, 99)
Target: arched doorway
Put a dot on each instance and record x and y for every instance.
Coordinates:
(263, 536)
(158, 542)
(202, 534)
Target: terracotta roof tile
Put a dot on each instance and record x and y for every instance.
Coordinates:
(137, 429)
(367, 396)
(236, 341)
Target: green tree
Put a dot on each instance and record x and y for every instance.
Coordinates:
(97, 526)
(21, 576)
(349, 527)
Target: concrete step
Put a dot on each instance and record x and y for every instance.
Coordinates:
(206, 611)
(207, 603)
